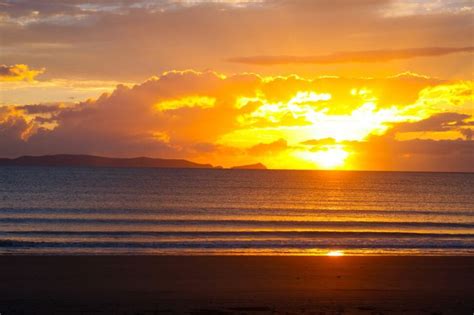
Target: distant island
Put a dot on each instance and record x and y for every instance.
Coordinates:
(73, 160)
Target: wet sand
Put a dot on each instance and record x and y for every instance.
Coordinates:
(241, 285)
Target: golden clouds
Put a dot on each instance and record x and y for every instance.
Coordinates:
(18, 72)
(458, 96)
(188, 101)
(283, 122)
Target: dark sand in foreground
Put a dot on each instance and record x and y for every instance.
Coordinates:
(242, 285)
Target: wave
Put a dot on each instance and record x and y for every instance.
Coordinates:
(249, 223)
(287, 234)
(235, 210)
(234, 245)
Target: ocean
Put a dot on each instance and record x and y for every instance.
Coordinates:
(145, 211)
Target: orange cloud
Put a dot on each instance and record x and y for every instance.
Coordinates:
(437, 122)
(283, 122)
(268, 148)
(18, 72)
(385, 153)
(113, 38)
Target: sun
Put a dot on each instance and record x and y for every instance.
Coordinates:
(335, 253)
(329, 157)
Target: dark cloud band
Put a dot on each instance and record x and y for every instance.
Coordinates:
(367, 56)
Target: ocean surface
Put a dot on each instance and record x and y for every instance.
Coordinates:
(46, 210)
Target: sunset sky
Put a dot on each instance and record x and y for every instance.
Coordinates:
(293, 84)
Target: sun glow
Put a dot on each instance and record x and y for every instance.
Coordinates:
(335, 253)
(303, 118)
(329, 157)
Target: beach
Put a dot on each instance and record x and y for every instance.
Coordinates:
(236, 285)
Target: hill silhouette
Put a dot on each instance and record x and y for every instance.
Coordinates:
(99, 161)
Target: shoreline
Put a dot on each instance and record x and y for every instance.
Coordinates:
(236, 284)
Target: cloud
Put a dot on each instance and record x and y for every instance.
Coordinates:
(385, 153)
(48, 8)
(437, 122)
(367, 56)
(268, 148)
(247, 118)
(408, 7)
(39, 108)
(18, 72)
(63, 35)
(133, 120)
(319, 142)
(468, 133)
(53, 90)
